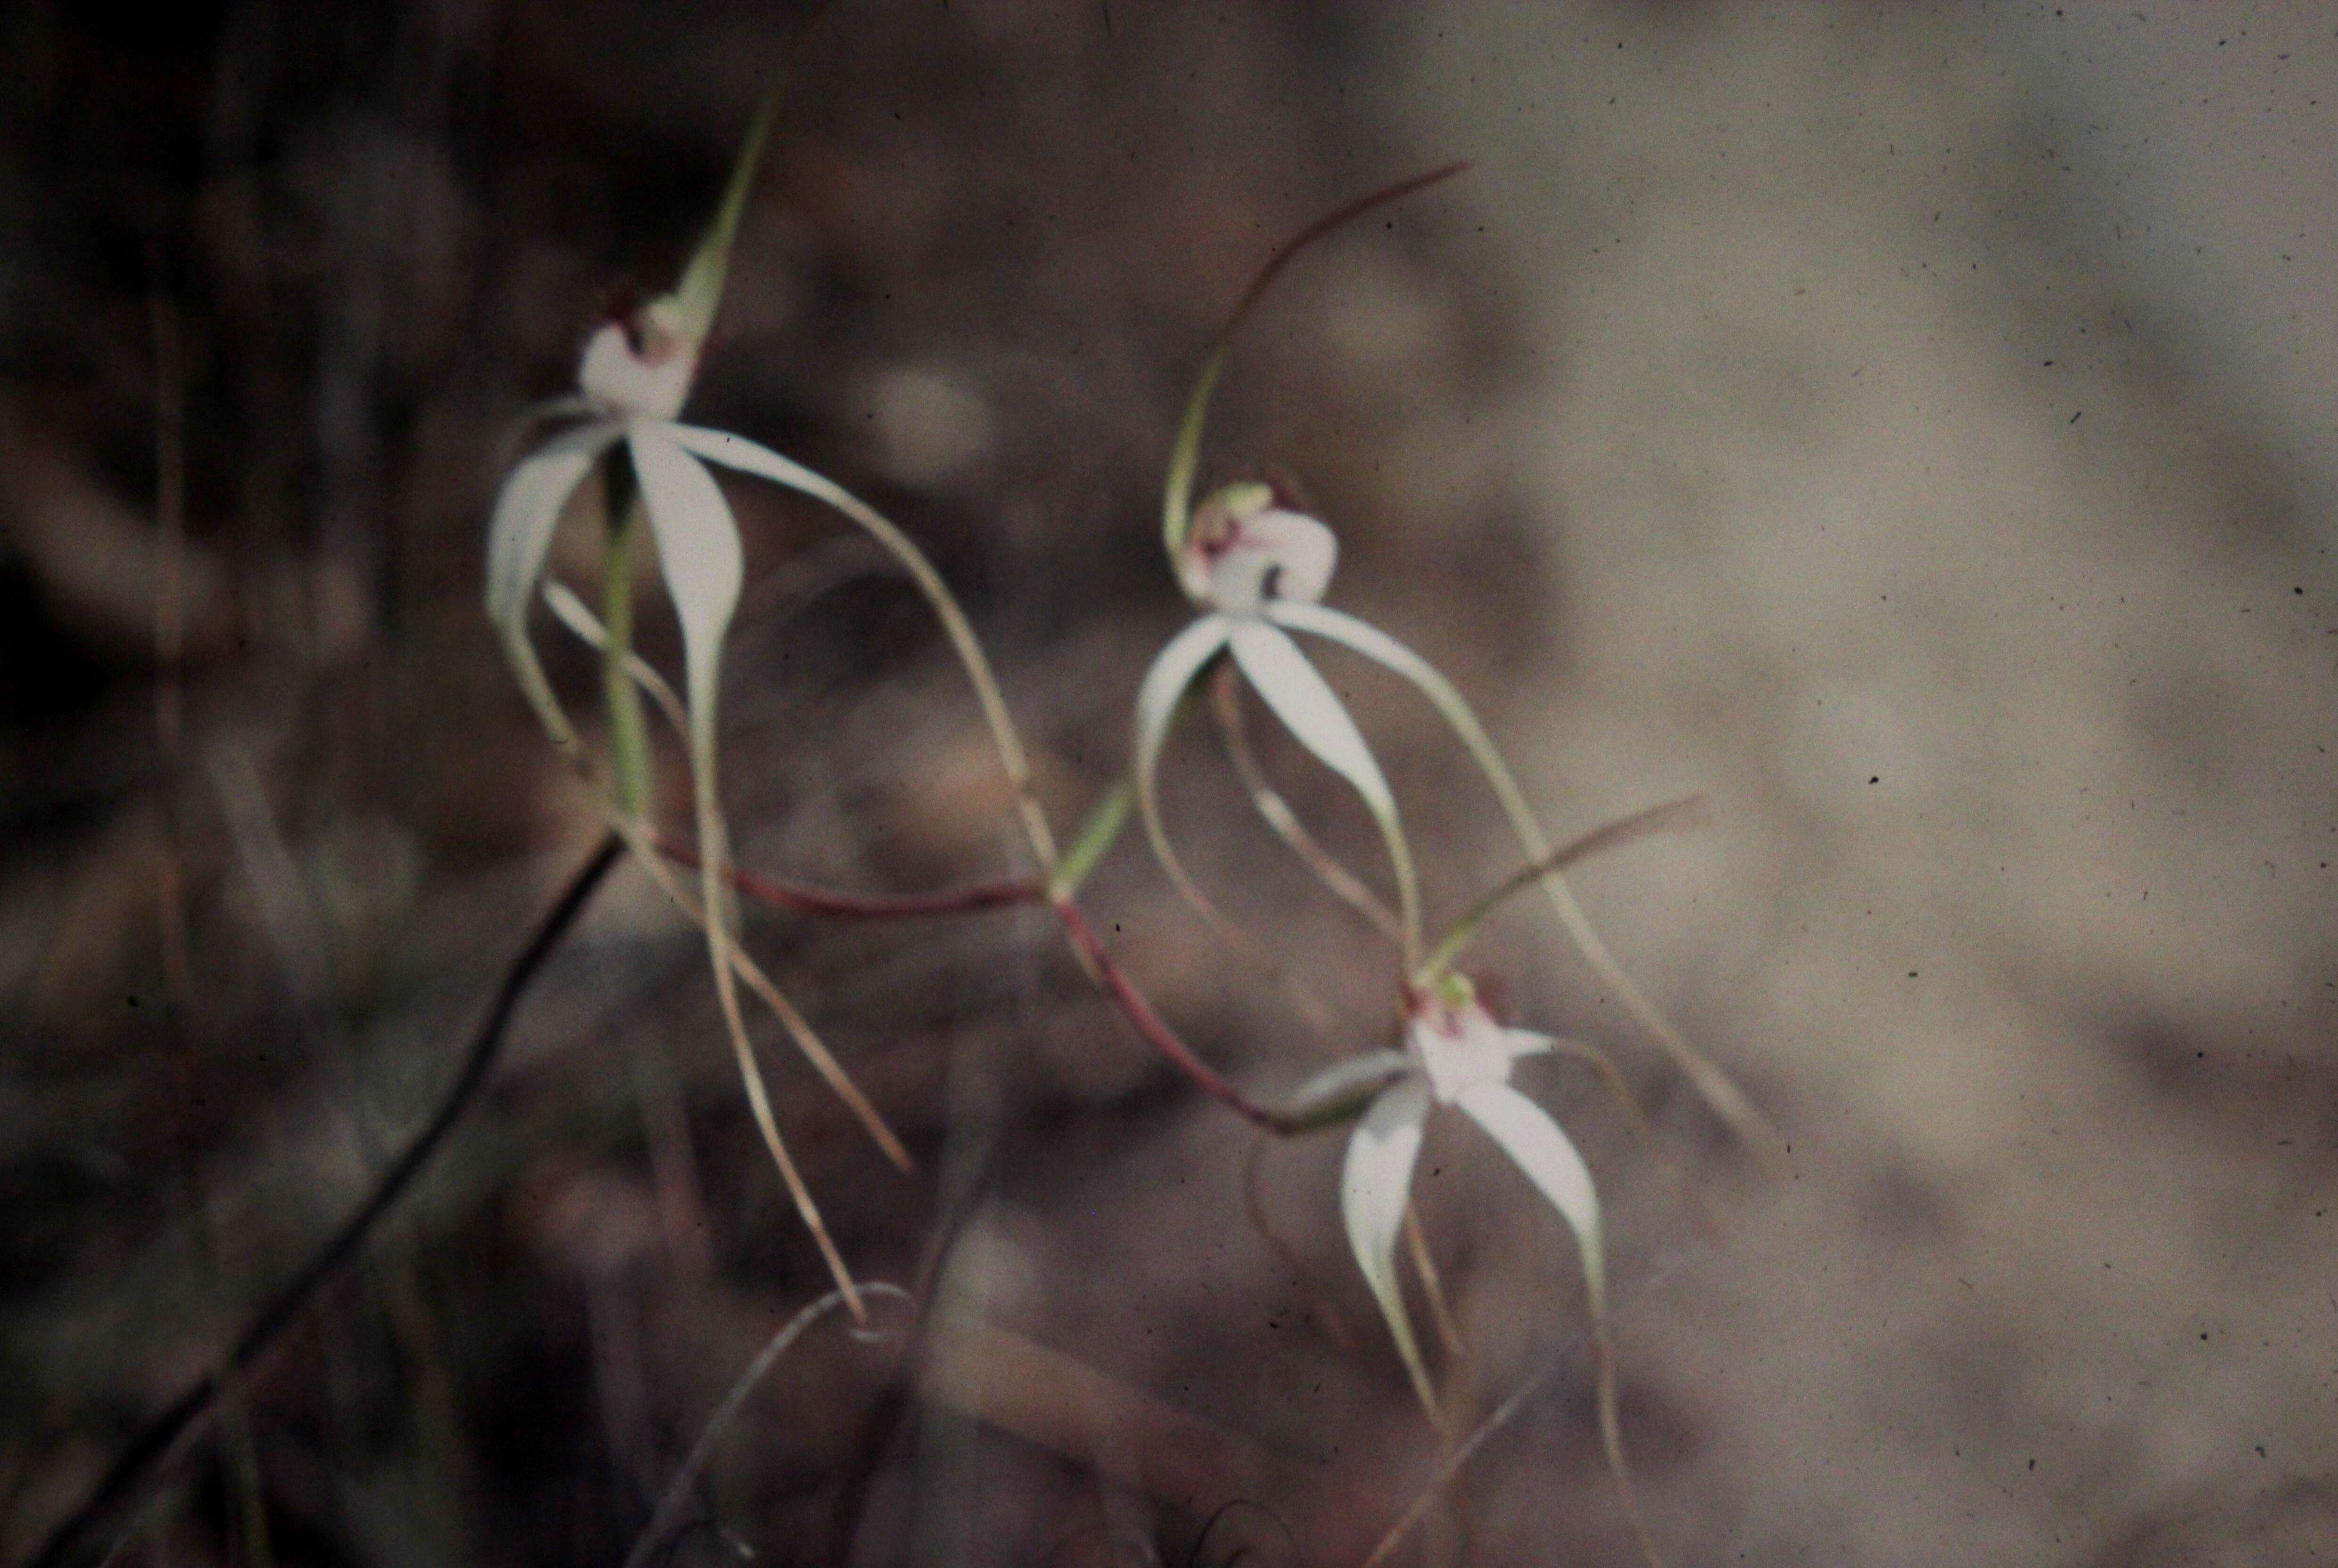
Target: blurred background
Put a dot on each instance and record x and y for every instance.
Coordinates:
(1911, 429)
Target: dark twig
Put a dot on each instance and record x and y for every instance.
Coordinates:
(130, 1471)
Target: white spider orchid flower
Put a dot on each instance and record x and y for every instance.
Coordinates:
(635, 376)
(1454, 1054)
(633, 380)
(1248, 563)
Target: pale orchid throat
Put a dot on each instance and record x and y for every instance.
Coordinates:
(1456, 1043)
(1245, 551)
(638, 368)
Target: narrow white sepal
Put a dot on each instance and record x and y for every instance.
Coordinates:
(698, 553)
(737, 451)
(755, 458)
(1373, 1188)
(528, 510)
(1309, 707)
(1348, 1080)
(1518, 1043)
(1533, 1141)
(571, 612)
(1313, 712)
(1156, 702)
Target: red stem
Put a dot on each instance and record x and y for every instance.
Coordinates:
(1082, 937)
(1320, 227)
(806, 900)
(1156, 1030)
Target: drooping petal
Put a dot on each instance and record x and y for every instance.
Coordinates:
(1522, 1043)
(572, 612)
(1727, 1101)
(1313, 712)
(1672, 815)
(1374, 1187)
(1156, 704)
(528, 509)
(1225, 694)
(698, 551)
(1533, 1141)
(519, 536)
(1342, 1088)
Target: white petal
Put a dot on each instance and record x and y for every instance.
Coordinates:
(1309, 707)
(1156, 703)
(527, 509)
(571, 613)
(1313, 712)
(745, 455)
(1374, 1187)
(1338, 1090)
(753, 457)
(1520, 1043)
(1533, 1139)
(698, 551)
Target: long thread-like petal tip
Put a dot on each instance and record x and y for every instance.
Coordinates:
(1375, 1184)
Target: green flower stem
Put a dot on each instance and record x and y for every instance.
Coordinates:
(1096, 838)
(1177, 498)
(629, 744)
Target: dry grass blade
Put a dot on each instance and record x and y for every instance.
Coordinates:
(1432, 1285)
(1501, 1416)
(677, 1491)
